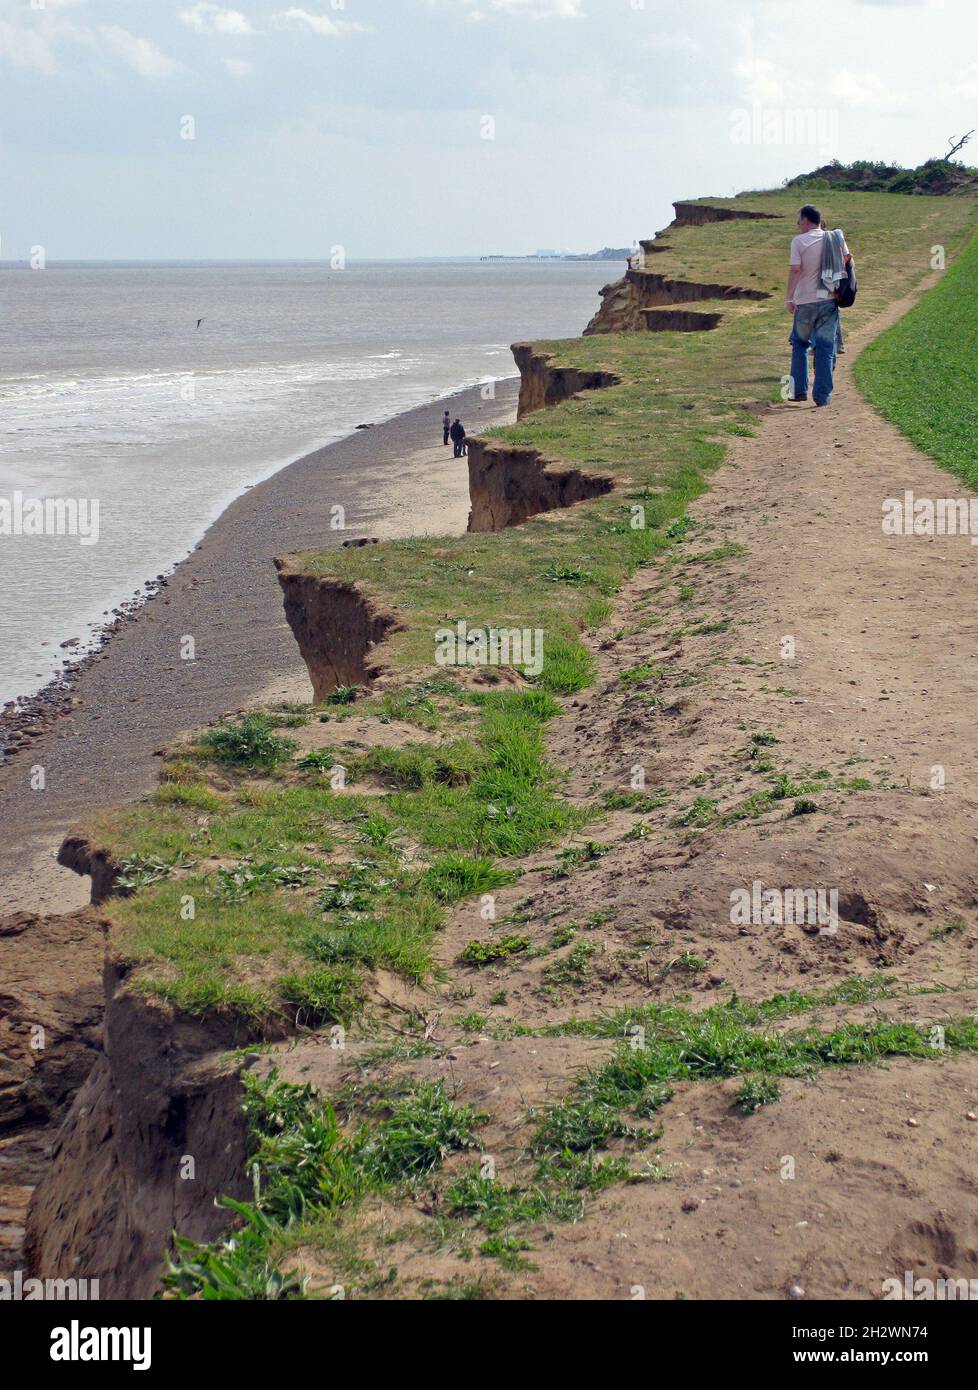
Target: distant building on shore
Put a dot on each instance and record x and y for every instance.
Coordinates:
(609, 253)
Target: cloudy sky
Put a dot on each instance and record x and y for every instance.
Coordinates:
(444, 127)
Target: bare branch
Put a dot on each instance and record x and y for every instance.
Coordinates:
(959, 145)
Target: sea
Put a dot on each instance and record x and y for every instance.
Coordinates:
(160, 392)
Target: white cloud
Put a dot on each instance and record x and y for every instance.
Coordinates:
(760, 81)
(237, 67)
(539, 9)
(26, 48)
(865, 91)
(319, 23)
(965, 83)
(527, 9)
(206, 18)
(28, 38)
(142, 55)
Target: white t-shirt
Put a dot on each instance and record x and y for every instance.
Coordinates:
(806, 251)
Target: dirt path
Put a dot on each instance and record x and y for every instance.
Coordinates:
(878, 695)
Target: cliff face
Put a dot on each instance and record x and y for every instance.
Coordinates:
(154, 1136)
(698, 214)
(336, 626)
(543, 385)
(509, 484)
(626, 302)
(50, 1030)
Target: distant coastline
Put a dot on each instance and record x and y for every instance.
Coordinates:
(608, 253)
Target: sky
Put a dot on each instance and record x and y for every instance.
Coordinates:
(182, 129)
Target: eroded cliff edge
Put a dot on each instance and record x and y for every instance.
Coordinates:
(154, 1137)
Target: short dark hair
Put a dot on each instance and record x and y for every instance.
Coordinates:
(811, 213)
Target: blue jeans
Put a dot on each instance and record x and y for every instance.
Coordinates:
(816, 326)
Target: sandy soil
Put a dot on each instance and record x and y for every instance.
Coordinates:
(138, 694)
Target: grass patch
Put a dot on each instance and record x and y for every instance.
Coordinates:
(923, 372)
(250, 743)
(305, 1168)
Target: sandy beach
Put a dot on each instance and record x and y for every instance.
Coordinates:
(395, 479)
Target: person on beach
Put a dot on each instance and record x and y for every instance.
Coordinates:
(457, 433)
(446, 424)
(814, 307)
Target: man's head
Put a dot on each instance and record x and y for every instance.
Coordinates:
(809, 218)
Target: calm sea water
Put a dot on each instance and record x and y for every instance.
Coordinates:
(109, 390)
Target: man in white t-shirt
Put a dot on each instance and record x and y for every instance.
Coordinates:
(815, 310)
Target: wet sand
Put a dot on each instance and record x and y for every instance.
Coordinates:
(395, 479)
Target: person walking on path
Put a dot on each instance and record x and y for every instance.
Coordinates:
(458, 438)
(813, 304)
(446, 424)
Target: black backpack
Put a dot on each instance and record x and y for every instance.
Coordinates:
(845, 294)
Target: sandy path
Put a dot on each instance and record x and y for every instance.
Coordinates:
(881, 687)
(392, 480)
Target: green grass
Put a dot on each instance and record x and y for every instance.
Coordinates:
(481, 953)
(923, 372)
(250, 743)
(756, 1092)
(281, 933)
(306, 1167)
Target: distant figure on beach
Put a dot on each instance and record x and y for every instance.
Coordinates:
(446, 422)
(457, 433)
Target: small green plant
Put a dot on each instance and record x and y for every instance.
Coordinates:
(558, 573)
(755, 1092)
(508, 1251)
(321, 760)
(138, 872)
(342, 695)
(645, 672)
(480, 953)
(573, 858)
(421, 1129)
(573, 967)
(248, 877)
(701, 814)
(950, 928)
(639, 802)
(355, 891)
(250, 744)
(454, 877)
(692, 965)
